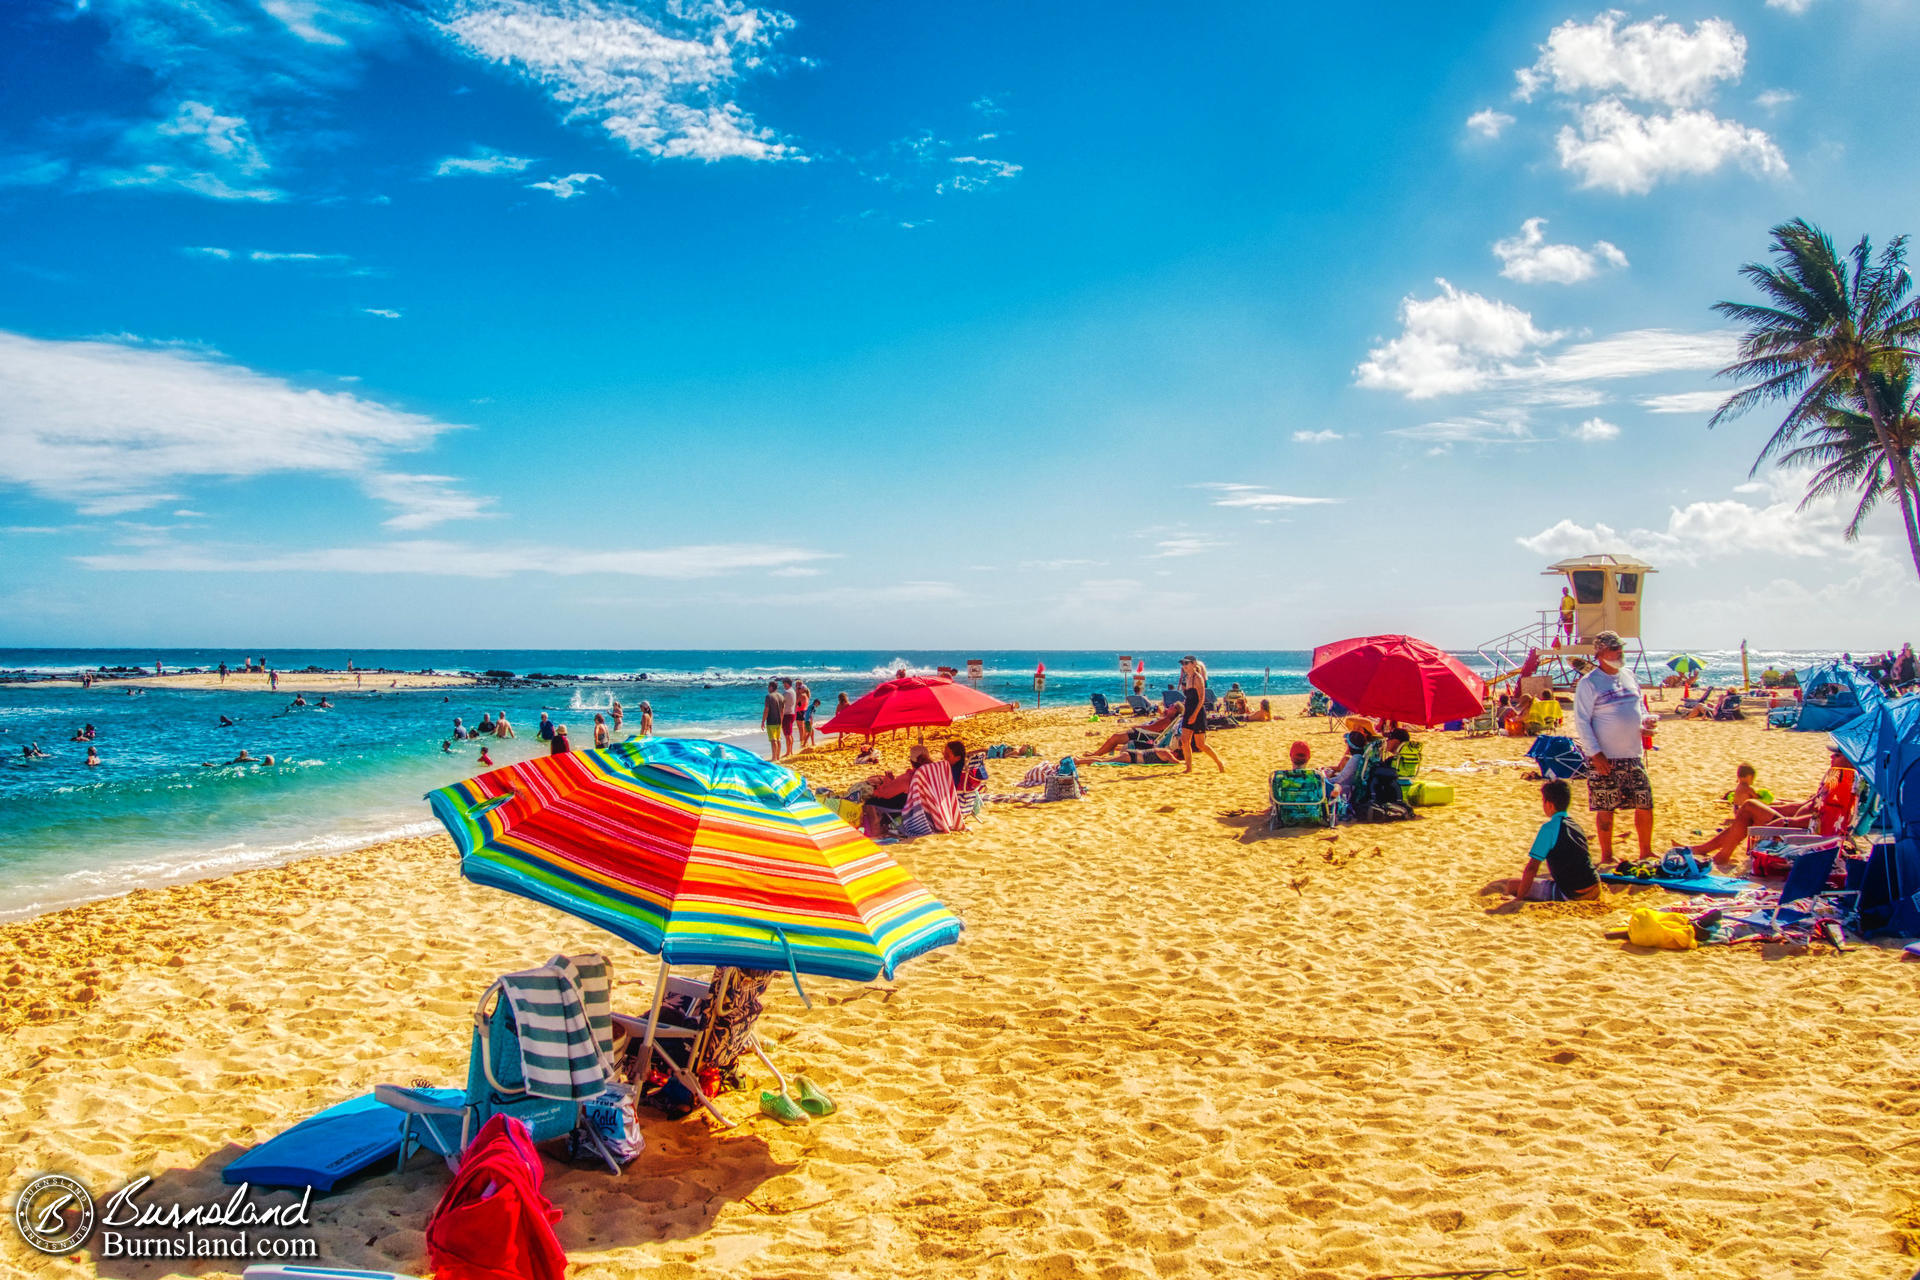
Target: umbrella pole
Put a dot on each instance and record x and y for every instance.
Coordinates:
(653, 1019)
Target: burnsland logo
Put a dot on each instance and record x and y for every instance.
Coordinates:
(54, 1214)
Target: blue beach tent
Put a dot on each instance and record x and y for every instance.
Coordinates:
(1884, 746)
(1835, 694)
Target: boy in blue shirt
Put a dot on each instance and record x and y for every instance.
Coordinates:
(1562, 845)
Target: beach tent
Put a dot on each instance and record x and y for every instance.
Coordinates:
(1833, 694)
(1884, 746)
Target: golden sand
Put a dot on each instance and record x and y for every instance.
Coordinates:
(290, 681)
(1169, 1043)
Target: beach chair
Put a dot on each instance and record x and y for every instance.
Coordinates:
(1558, 757)
(497, 1083)
(1481, 726)
(1100, 707)
(1806, 882)
(704, 1028)
(1139, 705)
(1301, 798)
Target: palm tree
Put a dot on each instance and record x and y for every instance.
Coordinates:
(1844, 452)
(1827, 326)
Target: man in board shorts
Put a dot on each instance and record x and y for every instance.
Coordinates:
(770, 716)
(1606, 716)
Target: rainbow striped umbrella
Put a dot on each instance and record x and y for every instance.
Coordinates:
(697, 852)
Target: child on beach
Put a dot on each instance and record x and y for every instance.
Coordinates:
(1745, 787)
(486, 759)
(1562, 845)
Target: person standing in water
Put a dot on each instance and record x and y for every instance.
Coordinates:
(619, 714)
(803, 712)
(602, 736)
(559, 745)
(770, 712)
(545, 732)
(646, 719)
(501, 729)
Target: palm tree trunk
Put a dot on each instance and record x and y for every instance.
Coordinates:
(1899, 467)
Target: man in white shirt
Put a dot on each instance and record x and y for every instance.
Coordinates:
(1606, 716)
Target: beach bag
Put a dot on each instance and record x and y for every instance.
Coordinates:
(493, 1223)
(1668, 930)
(1062, 785)
(615, 1116)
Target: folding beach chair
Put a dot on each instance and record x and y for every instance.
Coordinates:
(1481, 726)
(1301, 798)
(1558, 757)
(1806, 883)
(497, 1084)
(1100, 707)
(1141, 707)
(703, 1027)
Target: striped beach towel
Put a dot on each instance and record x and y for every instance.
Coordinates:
(932, 805)
(564, 1012)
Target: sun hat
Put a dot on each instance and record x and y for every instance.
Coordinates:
(1607, 640)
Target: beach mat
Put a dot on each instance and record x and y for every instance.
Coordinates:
(325, 1149)
(1717, 886)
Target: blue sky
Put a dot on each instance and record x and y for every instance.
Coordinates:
(564, 322)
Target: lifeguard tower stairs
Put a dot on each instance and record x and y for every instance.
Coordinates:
(1607, 596)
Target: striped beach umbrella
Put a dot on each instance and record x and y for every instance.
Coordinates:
(697, 852)
(1685, 664)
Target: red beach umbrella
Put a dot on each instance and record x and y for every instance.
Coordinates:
(1397, 678)
(911, 702)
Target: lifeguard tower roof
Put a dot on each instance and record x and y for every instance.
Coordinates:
(1618, 564)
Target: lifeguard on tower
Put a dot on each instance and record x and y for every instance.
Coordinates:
(1600, 593)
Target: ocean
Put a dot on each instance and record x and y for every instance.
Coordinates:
(164, 807)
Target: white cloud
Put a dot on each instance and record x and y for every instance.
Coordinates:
(1528, 258)
(1051, 566)
(1488, 123)
(1714, 529)
(796, 571)
(1595, 431)
(574, 184)
(34, 169)
(974, 173)
(1795, 7)
(661, 84)
(1686, 401)
(466, 560)
(1325, 436)
(1774, 99)
(481, 162)
(1618, 150)
(1653, 61)
(1183, 545)
(1636, 353)
(208, 251)
(1259, 497)
(1493, 427)
(112, 426)
(1454, 342)
(424, 501)
(198, 150)
(385, 313)
(262, 255)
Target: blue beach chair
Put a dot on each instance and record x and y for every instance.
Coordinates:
(1806, 881)
(496, 1085)
(1301, 798)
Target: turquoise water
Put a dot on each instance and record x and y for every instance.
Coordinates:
(154, 812)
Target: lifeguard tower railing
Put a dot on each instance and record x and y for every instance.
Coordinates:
(1504, 655)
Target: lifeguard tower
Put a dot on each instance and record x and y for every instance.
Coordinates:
(1608, 592)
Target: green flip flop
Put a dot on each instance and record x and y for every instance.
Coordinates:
(812, 1101)
(781, 1108)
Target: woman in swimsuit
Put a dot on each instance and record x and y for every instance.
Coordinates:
(1193, 721)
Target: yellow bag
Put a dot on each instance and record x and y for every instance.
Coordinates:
(1668, 929)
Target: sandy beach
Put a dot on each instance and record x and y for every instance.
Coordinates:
(290, 681)
(1169, 1043)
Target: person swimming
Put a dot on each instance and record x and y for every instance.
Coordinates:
(486, 759)
(299, 700)
(93, 757)
(324, 704)
(226, 722)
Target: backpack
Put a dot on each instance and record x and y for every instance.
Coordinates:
(1379, 799)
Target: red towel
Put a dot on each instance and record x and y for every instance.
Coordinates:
(493, 1223)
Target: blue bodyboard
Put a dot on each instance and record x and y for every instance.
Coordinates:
(323, 1150)
(1717, 886)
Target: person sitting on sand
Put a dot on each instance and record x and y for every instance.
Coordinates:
(1828, 807)
(1235, 700)
(1341, 775)
(486, 759)
(1746, 786)
(93, 757)
(501, 729)
(1545, 713)
(559, 744)
(1264, 713)
(1299, 754)
(889, 789)
(1562, 845)
(869, 754)
(1140, 735)
(1134, 753)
